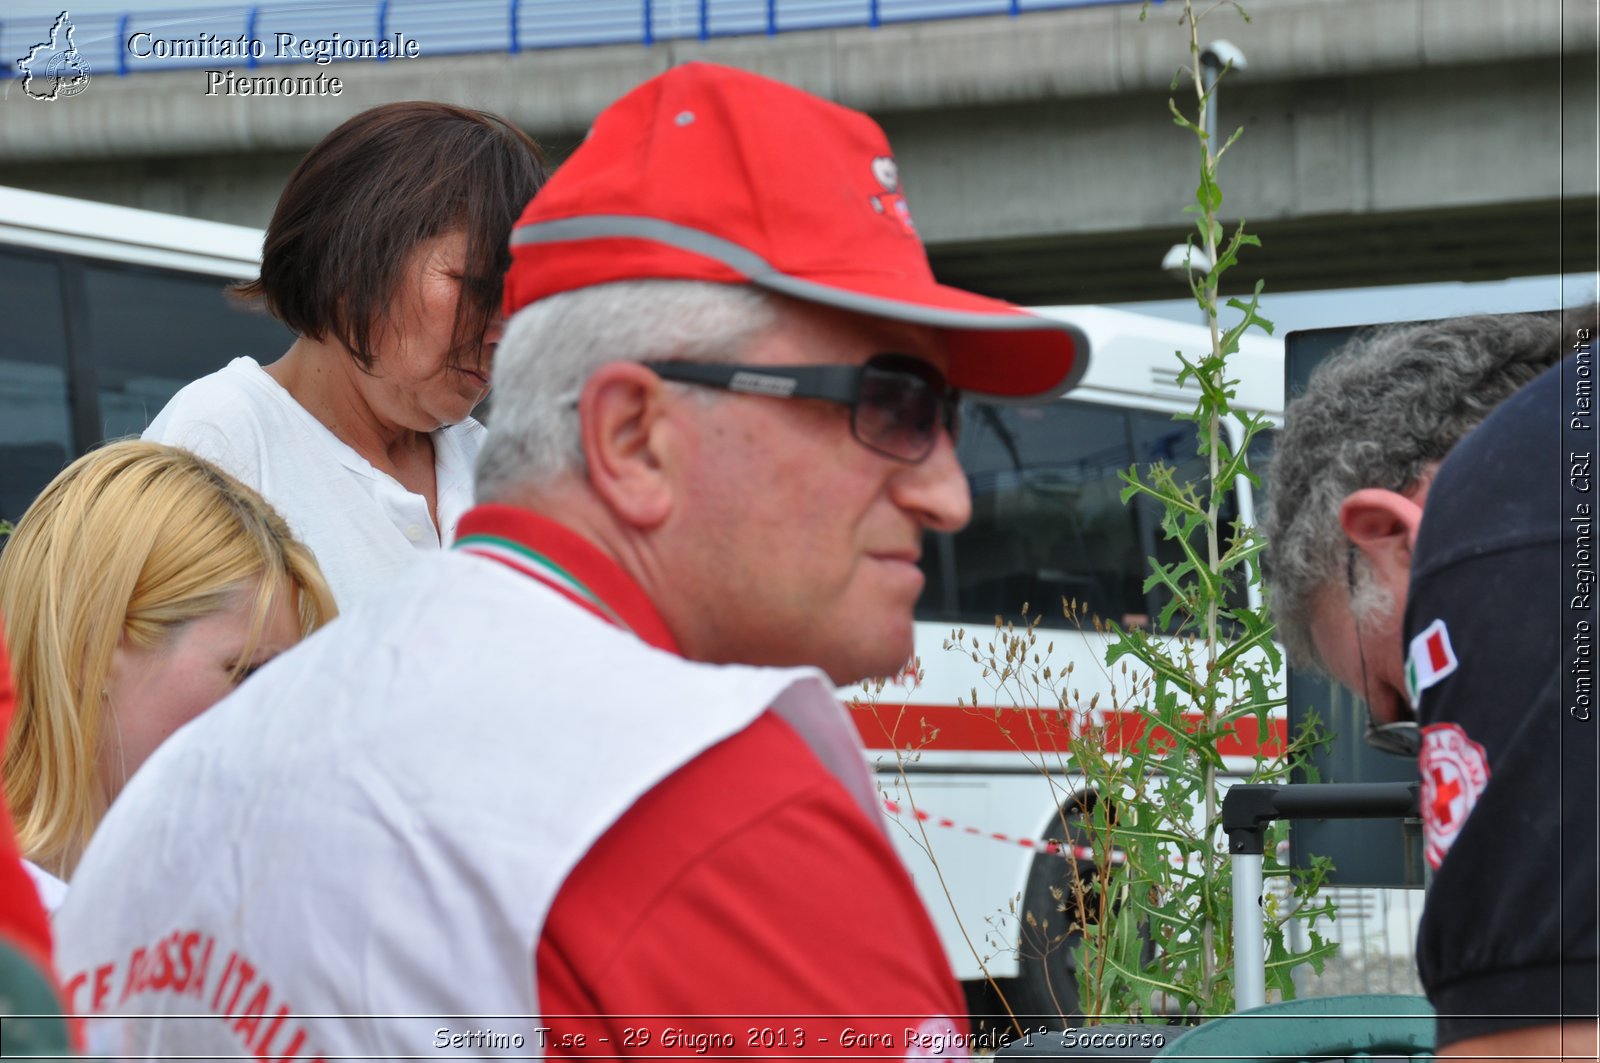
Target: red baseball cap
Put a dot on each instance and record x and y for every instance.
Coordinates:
(715, 174)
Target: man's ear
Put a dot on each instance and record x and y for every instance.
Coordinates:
(1383, 525)
(623, 431)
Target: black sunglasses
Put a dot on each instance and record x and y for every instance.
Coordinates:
(1400, 738)
(897, 401)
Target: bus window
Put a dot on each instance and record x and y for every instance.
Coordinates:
(1047, 522)
(1047, 517)
(153, 331)
(35, 419)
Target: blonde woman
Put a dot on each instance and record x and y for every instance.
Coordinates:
(138, 590)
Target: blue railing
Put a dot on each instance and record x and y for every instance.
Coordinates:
(266, 34)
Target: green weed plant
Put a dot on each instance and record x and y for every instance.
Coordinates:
(1149, 919)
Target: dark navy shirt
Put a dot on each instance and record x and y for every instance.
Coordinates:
(1501, 632)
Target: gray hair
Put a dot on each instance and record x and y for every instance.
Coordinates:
(552, 346)
(1380, 413)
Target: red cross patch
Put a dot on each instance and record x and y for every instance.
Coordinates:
(1454, 772)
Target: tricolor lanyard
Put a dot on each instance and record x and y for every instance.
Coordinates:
(537, 566)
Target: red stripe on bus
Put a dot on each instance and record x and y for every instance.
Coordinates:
(952, 728)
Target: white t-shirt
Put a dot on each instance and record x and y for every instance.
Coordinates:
(363, 526)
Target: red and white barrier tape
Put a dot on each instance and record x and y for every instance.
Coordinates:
(1077, 852)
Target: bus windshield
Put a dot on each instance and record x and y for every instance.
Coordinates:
(1048, 521)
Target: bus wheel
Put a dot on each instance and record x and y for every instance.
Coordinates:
(1046, 987)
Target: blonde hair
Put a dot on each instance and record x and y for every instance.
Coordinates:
(132, 540)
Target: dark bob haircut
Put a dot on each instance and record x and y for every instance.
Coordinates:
(361, 201)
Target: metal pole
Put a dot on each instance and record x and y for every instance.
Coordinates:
(1249, 938)
(1208, 78)
(1214, 59)
(1246, 812)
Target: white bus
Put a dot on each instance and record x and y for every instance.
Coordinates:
(1047, 524)
(105, 312)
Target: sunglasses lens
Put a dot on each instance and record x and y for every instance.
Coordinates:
(900, 406)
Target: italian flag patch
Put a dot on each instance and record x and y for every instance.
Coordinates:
(1429, 660)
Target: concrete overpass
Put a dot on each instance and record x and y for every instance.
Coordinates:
(1385, 141)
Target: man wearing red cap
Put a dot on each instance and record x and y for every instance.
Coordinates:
(583, 786)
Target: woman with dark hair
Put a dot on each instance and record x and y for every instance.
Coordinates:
(384, 256)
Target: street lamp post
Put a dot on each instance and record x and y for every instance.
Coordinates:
(1217, 57)
(1183, 259)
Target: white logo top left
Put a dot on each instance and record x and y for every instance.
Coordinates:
(54, 68)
